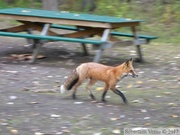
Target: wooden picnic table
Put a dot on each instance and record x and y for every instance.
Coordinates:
(88, 25)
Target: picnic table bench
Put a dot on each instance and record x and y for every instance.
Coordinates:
(114, 33)
(83, 26)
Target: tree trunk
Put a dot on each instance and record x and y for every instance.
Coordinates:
(50, 5)
(89, 5)
(10, 1)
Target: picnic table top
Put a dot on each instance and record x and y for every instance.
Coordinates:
(64, 15)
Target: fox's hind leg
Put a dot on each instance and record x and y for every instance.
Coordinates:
(91, 82)
(106, 87)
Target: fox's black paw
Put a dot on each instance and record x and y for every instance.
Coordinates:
(103, 100)
(125, 101)
(73, 96)
(92, 97)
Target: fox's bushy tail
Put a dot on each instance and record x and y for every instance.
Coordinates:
(69, 82)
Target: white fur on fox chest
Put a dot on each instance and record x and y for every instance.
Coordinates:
(123, 76)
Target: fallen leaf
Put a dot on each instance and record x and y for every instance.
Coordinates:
(26, 89)
(65, 131)
(99, 88)
(143, 110)
(122, 116)
(50, 76)
(33, 68)
(94, 101)
(12, 97)
(99, 106)
(136, 101)
(36, 82)
(137, 86)
(4, 124)
(55, 116)
(64, 127)
(146, 118)
(172, 104)
(139, 82)
(174, 116)
(158, 96)
(168, 93)
(147, 124)
(108, 96)
(33, 102)
(114, 119)
(78, 103)
(38, 133)
(116, 131)
(86, 117)
(59, 133)
(130, 86)
(14, 72)
(14, 132)
(10, 103)
(146, 99)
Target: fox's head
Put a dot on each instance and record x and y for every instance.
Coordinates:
(128, 65)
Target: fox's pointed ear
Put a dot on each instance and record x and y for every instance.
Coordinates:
(127, 62)
(131, 59)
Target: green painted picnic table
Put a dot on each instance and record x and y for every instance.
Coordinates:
(88, 25)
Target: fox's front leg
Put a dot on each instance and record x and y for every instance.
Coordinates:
(116, 91)
(75, 89)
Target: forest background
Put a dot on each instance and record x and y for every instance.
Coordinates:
(162, 17)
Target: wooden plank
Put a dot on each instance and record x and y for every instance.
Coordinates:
(112, 38)
(26, 26)
(38, 27)
(84, 33)
(19, 28)
(57, 21)
(127, 24)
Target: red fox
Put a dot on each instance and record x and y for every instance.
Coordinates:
(99, 72)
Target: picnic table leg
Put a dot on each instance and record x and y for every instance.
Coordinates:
(39, 43)
(98, 55)
(36, 48)
(100, 50)
(140, 59)
(31, 42)
(138, 47)
(84, 49)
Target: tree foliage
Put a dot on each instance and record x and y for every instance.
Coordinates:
(160, 14)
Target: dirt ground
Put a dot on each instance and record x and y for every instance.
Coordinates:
(30, 103)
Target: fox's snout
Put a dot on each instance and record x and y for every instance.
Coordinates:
(135, 75)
